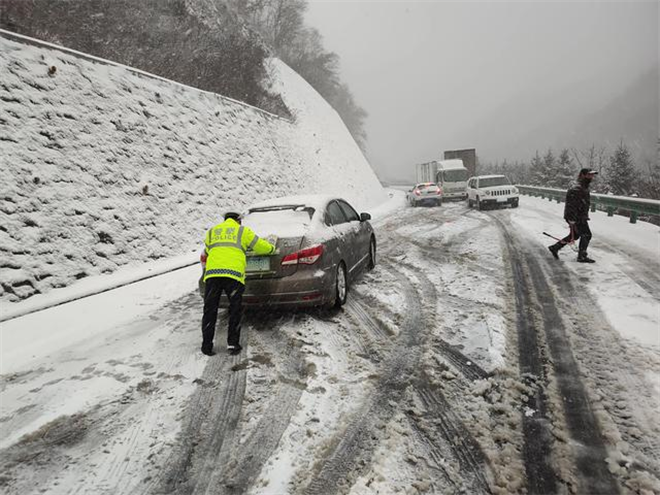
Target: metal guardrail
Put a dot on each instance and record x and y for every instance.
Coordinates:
(611, 204)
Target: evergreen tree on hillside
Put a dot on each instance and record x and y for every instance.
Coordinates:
(565, 171)
(281, 23)
(621, 172)
(537, 173)
(650, 185)
(549, 169)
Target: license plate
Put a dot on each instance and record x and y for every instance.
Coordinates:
(258, 264)
(501, 200)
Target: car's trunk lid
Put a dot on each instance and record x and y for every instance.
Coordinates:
(428, 190)
(288, 224)
(271, 266)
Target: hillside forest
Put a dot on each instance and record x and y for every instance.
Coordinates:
(222, 46)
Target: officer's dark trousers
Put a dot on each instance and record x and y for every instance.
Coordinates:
(582, 232)
(215, 286)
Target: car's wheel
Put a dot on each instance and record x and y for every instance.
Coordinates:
(372, 254)
(439, 202)
(341, 285)
(470, 203)
(479, 205)
(514, 204)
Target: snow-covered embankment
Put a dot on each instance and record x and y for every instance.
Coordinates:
(103, 165)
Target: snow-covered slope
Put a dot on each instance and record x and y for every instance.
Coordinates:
(103, 165)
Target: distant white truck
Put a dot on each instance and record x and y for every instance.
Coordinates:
(450, 175)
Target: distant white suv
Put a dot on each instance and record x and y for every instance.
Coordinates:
(491, 190)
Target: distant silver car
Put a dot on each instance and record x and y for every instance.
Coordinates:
(322, 244)
(425, 193)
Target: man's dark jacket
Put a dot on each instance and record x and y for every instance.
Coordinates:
(577, 203)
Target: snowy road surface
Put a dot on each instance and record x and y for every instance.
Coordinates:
(469, 361)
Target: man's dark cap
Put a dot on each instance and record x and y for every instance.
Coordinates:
(233, 215)
(586, 171)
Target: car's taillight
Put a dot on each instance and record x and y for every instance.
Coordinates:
(439, 190)
(203, 257)
(307, 256)
(417, 193)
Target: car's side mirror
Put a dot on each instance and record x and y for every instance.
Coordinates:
(364, 217)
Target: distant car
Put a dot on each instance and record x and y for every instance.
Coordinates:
(425, 193)
(322, 244)
(491, 190)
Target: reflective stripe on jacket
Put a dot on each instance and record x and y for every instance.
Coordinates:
(226, 244)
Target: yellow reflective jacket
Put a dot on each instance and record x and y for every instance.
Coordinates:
(226, 244)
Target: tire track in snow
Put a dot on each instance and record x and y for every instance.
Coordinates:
(614, 368)
(589, 448)
(457, 438)
(142, 420)
(351, 452)
(247, 458)
(357, 311)
(447, 425)
(537, 447)
(111, 435)
(463, 364)
(209, 424)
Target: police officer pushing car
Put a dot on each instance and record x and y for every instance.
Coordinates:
(224, 254)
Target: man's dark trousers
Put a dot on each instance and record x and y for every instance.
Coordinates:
(581, 231)
(215, 286)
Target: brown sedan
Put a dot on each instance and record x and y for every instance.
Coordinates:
(322, 244)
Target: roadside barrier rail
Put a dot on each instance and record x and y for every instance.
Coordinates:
(611, 204)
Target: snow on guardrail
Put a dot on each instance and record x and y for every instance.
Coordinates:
(607, 202)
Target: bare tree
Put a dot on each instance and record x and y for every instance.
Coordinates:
(594, 158)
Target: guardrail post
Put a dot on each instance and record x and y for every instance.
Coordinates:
(633, 216)
(610, 211)
(558, 199)
(593, 206)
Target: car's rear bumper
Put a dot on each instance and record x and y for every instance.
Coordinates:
(428, 200)
(305, 288)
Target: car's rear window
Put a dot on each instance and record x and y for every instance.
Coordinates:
(494, 181)
(430, 185)
(283, 221)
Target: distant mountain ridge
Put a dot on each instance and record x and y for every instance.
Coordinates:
(575, 119)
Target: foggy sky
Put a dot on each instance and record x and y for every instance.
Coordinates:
(435, 75)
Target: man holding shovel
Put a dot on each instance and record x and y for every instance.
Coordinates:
(576, 213)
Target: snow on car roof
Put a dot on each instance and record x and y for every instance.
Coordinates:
(282, 223)
(490, 176)
(316, 201)
(287, 223)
